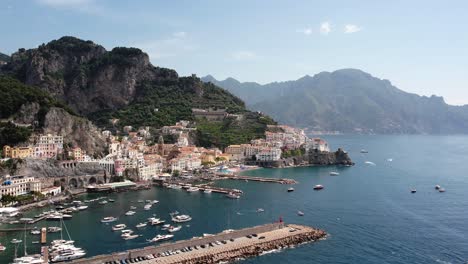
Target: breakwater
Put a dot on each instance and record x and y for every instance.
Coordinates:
(259, 179)
(241, 243)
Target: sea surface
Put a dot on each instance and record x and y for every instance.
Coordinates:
(368, 210)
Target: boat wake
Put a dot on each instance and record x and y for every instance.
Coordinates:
(370, 163)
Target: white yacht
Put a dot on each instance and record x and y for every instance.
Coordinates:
(35, 232)
(127, 236)
(119, 227)
(108, 219)
(173, 229)
(207, 191)
(147, 207)
(82, 207)
(161, 238)
(67, 255)
(193, 189)
(141, 225)
(165, 227)
(130, 213)
(157, 221)
(54, 229)
(334, 173)
(181, 218)
(29, 259)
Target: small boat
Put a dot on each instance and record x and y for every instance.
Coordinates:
(369, 163)
(82, 207)
(141, 225)
(300, 213)
(260, 210)
(441, 190)
(437, 187)
(16, 241)
(413, 190)
(133, 207)
(2, 247)
(108, 219)
(181, 218)
(103, 202)
(119, 227)
(129, 236)
(193, 189)
(334, 173)
(161, 238)
(318, 187)
(35, 232)
(364, 151)
(232, 195)
(140, 201)
(111, 200)
(207, 191)
(129, 213)
(173, 229)
(154, 201)
(166, 226)
(147, 206)
(54, 229)
(291, 189)
(157, 221)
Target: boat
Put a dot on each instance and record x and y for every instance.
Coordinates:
(441, 190)
(300, 213)
(129, 236)
(82, 207)
(108, 219)
(177, 187)
(67, 255)
(364, 151)
(437, 187)
(154, 201)
(54, 229)
(193, 189)
(2, 247)
(16, 241)
(161, 238)
(127, 231)
(141, 225)
(291, 189)
(140, 201)
(119, 227)
(103, 202)
(334, 173)
(157, 221)
(35, 232)
(111, 200)
(207, 191)
(130, 213)
(413, 190)
(173, 229)
(147, 207)
(232, 195)
(181, 218)
(260, 210)
(166, 226)
(29, 259)
(318, 187)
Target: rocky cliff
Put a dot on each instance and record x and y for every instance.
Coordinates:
(339, 157)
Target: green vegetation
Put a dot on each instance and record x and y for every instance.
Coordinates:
(70, 44)
(22, 199)
(293, 153)
(11, 135)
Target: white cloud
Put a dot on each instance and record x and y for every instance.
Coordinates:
(167, 47)
(65, 3)
(180, 34)
(325, 28)
(305, 31)
(350, 28)
(243, 55)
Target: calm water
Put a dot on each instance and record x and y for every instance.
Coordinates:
(368, 210)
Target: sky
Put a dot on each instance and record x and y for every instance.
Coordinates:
(420, 46)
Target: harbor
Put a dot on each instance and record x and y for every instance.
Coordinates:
(235, 244)
(257, 179)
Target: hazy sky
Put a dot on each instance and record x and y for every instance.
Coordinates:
(420, 46)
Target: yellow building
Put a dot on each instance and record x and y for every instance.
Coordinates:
(17, 152)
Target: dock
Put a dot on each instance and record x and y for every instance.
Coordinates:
(235, 245)
(258, 179)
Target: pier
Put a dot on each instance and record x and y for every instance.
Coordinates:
(258, 179)
(236, 245)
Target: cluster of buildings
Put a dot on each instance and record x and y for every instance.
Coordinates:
(44, 147)
(278, 138)
(21, 185)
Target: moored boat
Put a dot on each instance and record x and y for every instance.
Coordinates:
(334, 173)
(141, 225)
(318, 187)
(207, 191)
(129, 213)
(147, 207)
(119, 227)
(232, 195)
(108, 219)
(441, 189)
(161, 238)
(291, 189)
(54, 229)
(413, 190)
(2, 247)
(300, 213)
(181, 218)
(173, 229)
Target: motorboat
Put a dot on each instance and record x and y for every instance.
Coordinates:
(141, 225)
(173, 229)
(232, 195)
(437, 187)
(129, 236)
(133, 207)
(441, 190)
(35, 232)
(103, 202)
(260, 210)
(181, 218)
(147, 207)
(193, 189)
(111, 200)
(154, 201)
(119, 227)
(161, 238)
(54, 229)
(207, 191)
(318, 187)
(82, 207)
(166, 226)
(291, 189)
(29, 259)
(157, 221)
(67, 255)
(413, 190)
(130, 213)
(2, 247)
(127, 231)
(108, 219)
(300, 213)
(334, 173)
(177, 187)
(364, 151)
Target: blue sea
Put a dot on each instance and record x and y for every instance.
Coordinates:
(368, 210)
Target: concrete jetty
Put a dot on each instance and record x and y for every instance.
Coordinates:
(235, 245)
(258, 179)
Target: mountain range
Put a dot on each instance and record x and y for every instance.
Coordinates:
(349, 101)
(73, 87)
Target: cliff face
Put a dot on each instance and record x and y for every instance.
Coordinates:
(339, 157)
(83, 74)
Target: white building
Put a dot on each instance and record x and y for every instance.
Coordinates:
(269, 154)
(19, 185)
